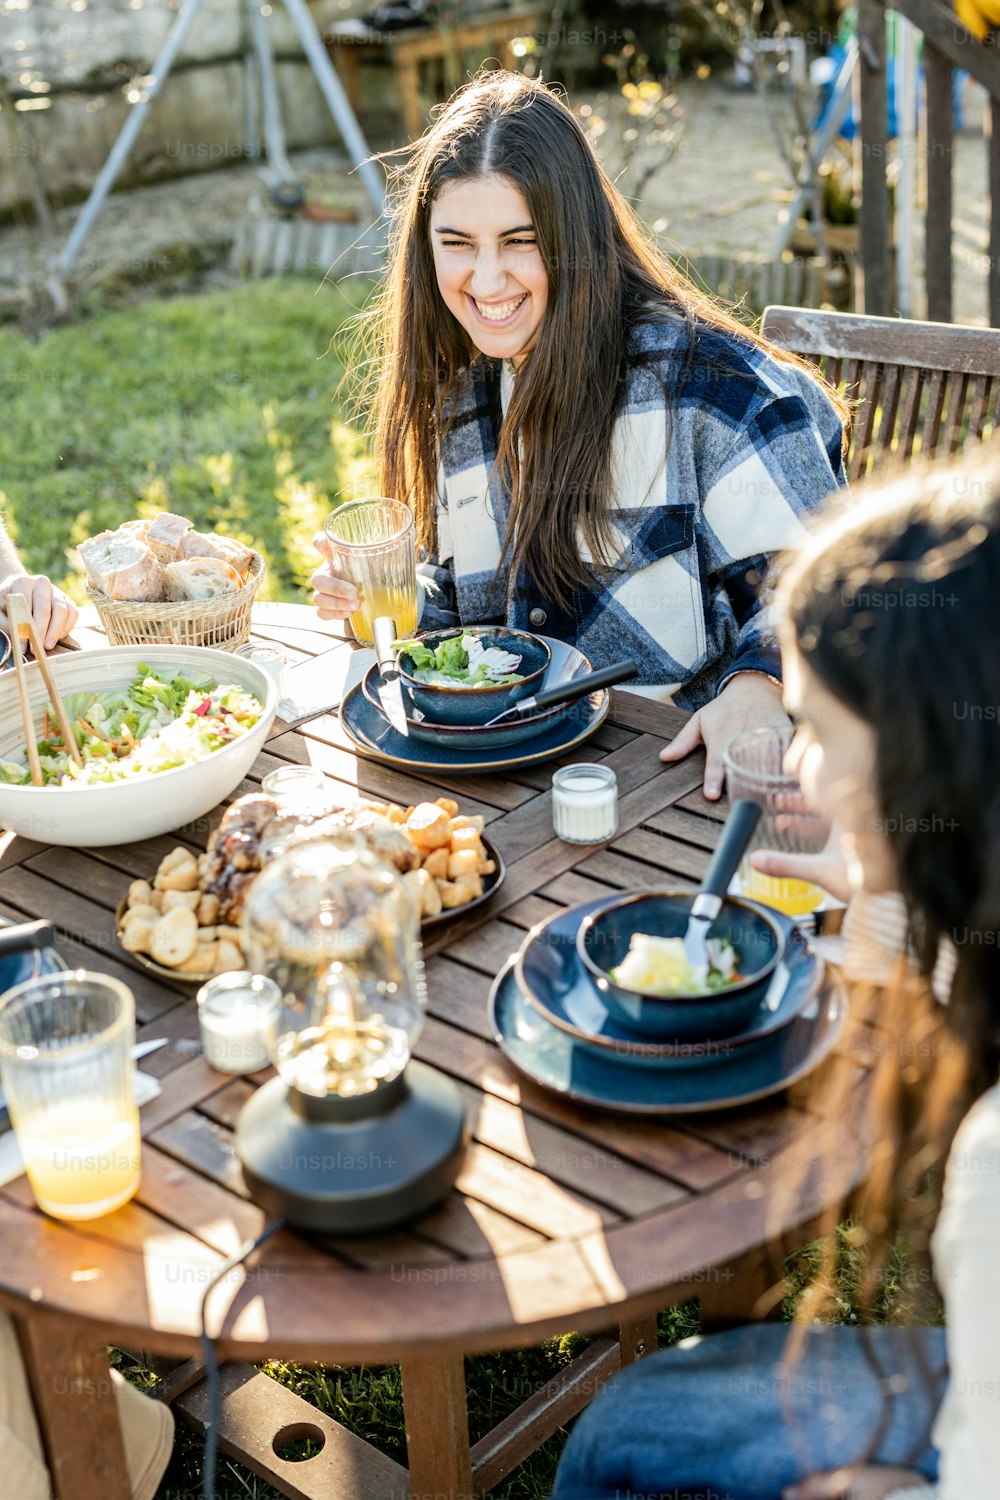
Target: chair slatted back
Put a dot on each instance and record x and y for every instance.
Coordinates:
(914, 388)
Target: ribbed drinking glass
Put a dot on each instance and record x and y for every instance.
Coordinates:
(373, 544)
(66, 1059)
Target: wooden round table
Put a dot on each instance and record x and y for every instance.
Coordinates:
(563, 1217)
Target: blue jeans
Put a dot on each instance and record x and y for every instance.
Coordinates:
(720, 1418)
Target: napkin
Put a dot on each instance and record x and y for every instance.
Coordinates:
(146, 1087)
(314, 687)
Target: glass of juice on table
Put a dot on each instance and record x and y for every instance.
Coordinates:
(373, 543)
(755, 768)
(66, 1063)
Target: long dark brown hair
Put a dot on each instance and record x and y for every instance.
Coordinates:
(606, 274)
(893, 608)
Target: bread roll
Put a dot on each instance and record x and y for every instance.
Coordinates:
(225, 548)
(200, 578)
(119, 564)
(164, 533)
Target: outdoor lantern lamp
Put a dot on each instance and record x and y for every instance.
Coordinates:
(352, 1136)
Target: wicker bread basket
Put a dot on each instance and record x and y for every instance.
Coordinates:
(222, 623)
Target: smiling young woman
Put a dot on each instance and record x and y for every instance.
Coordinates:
(591, 446)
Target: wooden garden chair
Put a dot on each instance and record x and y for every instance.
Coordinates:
(914, 388)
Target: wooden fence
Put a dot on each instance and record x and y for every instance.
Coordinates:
(948, 45)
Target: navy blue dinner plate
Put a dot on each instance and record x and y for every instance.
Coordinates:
(556, 1061)
(558, 986)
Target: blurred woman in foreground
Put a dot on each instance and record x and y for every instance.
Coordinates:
(891, 657)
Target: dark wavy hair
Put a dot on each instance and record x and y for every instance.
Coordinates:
(606, 273)
(894, 608)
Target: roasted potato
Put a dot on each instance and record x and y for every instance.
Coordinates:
(174, 937)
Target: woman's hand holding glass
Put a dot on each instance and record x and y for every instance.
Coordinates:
(831, 869)
(335, 598)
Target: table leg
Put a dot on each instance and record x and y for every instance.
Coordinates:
(637, 1339)
(436, 1410)
(75, 1404)
(745, 1291)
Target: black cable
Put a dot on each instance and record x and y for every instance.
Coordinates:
(208, 1353)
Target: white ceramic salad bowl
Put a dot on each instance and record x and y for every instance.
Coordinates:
(121, 812)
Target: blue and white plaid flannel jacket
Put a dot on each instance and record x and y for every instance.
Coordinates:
(755, 448)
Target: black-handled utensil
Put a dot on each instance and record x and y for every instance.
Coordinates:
(567, 692)
(736, 834)
(25, 936)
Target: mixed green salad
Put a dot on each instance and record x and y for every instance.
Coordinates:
(155, 724)
(461, 661)
(658, 966)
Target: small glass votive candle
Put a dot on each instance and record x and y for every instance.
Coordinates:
(271, 659)
(584, 804)
(238, 1013)
(301, 788)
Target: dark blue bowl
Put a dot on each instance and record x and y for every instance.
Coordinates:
(17, 968)
(5, 650)
(603, 941)
(467, 707)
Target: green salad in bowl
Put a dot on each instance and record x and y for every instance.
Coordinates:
(155, 723)
(467, 676)
(462, 661)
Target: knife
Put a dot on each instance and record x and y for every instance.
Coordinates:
(566, 692)
(390, 691)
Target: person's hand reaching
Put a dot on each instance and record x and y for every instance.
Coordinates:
(52, 611)
(748, 701)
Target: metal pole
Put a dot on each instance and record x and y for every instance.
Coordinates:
(274, 134)
(337, 102)
(833, 118)
(127, 135)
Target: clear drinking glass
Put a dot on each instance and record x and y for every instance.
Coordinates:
(755, 768)
(66, 1059)
(373, 544)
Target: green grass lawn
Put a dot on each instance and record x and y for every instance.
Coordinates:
(222, 406)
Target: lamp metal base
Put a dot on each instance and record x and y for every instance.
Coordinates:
(353, 1166)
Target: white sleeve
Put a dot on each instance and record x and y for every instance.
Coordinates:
(967, 1255)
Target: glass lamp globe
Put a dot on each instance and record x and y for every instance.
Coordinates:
(352, 1135)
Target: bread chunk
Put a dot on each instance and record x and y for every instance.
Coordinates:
(224, 548)
(200, 578)
(121, 565)
(164, 533)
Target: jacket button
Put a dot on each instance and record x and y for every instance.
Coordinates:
(537, 617)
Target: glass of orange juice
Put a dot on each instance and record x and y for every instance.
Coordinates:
(68, 1074)
(373, 543)
(755, 768)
